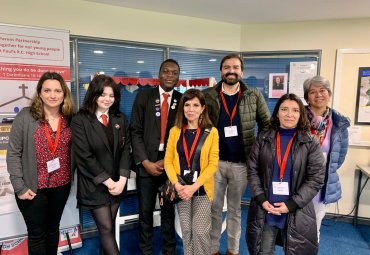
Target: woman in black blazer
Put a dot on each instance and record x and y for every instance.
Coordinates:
(101, 147)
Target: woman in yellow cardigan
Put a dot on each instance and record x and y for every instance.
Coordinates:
(195, 208)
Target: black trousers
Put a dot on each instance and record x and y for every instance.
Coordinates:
(148, 191)
(42, 216)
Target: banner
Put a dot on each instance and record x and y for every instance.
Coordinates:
(25, 54)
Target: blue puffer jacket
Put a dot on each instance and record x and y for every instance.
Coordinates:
(337, 154)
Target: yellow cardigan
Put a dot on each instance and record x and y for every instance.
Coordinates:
(208, 160)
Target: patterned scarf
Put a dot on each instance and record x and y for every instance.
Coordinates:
(319, 124)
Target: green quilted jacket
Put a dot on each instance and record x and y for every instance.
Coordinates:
(252, 110)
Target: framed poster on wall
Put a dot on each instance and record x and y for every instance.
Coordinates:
(362, 114)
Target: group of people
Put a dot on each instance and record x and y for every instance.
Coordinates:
(291, 166)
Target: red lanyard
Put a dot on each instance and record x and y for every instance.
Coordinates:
(282, 165)
(313, 131)
(53, 147)
(187, 156)
(227, 109)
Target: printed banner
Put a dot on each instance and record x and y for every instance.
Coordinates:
(25, 54)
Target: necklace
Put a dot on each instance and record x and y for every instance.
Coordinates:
(192, 131)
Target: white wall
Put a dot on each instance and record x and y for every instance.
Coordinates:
(327, 36)
(106, 21)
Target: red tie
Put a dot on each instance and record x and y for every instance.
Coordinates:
(164, 113)
(104, 119)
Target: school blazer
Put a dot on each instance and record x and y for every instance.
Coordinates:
(208, 160)
(95, 160)
(146, 125)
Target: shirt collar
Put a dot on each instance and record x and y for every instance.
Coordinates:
(161, 91)
(236, 92)
(99, 113)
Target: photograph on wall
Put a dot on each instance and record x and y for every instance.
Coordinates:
(362, 115)
(278, 84)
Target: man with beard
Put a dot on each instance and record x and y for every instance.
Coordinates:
(153, 115)
(235, 109)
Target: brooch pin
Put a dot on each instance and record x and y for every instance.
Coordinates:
(117, 126)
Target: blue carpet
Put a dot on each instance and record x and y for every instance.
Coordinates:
(337, 238)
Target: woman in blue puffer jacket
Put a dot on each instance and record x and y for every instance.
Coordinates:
(331, 128)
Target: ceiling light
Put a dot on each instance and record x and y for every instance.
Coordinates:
(98, 51)
(140, 62)
(212, 60)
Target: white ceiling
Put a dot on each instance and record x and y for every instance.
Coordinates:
(253, 11)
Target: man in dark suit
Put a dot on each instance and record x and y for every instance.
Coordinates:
(153, 115)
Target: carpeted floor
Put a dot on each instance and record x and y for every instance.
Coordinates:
(337, 238)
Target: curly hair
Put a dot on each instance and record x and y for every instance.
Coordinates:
(303, 122)
(37, 105)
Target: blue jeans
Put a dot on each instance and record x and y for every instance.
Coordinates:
(42, 215)
(269, 235)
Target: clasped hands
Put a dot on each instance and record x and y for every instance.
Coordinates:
(186, 192)
(276, 209)
(116, 188)
(154, 168)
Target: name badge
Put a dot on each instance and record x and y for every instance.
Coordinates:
(325, 156)
(231, 131)
(53, 165)
(195, 177)
(280, 188)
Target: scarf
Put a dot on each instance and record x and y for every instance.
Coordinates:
(319, 124)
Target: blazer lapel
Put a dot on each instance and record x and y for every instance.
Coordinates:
(96, 125)
(155, 107)
(116, 129)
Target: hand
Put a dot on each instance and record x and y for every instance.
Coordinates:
(281, 207)
(160, 163)
(28, 195)
(153, 168)
(269, 208)
(119, 186)
(188, 191)
(109, 183)
(276, 209)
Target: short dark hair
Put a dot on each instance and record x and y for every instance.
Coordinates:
(232, 56)
(303, 122)
(170, 60)
(96, 88)
(180, 121)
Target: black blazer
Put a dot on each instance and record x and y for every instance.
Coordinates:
(146, 124)
(95, 160)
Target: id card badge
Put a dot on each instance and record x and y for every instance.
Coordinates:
(280, 188)
(53, 165)
(325, 156)
(195, 177)
(231, 131)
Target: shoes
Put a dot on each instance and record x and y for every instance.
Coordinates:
(217, 253)
(229, 253)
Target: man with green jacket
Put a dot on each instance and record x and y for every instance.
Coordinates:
(235, 109)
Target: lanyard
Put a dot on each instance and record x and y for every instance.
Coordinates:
(53, 147)
(282, 165)
(227, 109)
(313, 131)
(187, 156)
